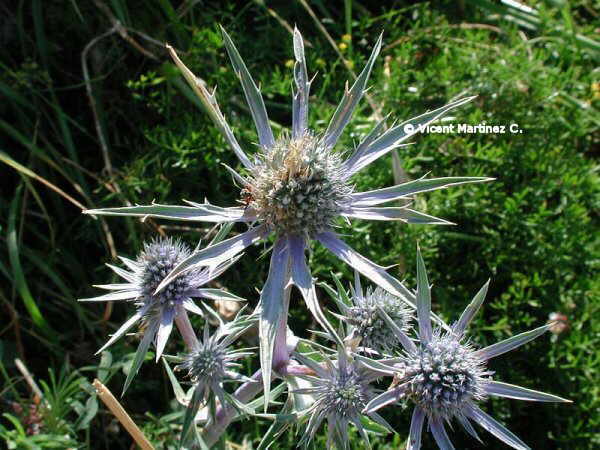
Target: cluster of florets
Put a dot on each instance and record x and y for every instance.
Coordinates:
(368, 324)
(298, 186)
(341, 391)
(345, 394)
(157, 260)
(443, 374)
(206, 363)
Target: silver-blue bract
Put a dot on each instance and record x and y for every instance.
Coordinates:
(210, 364)
(446, 377)
(158, 310)
(341, 389)
(296, 187)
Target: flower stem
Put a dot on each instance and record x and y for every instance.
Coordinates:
(185, 328)
(247, 391)
(225, 414)
(295, 370)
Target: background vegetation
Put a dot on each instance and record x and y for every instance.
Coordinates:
(94, 114)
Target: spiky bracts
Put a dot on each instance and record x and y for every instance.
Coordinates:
(159, 310)
(445, 377)
(298, 186)
(212, 363)
(341, 389)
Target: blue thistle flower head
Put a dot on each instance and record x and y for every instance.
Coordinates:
(213, 362)
(443, 375)
(206, 362)
(298, 186)
(159, 310)
(156, 261)
(361, 311)
(446, 377)
(341, 389)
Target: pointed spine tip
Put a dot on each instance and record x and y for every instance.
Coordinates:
(224, 33)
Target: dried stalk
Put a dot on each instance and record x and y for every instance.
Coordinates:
(376, 109)
(29, 379)
(115, 407)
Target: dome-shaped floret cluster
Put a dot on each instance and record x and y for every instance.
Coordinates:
(206, 363)
(341, 391)
(297, 186)
(158, 259)
(443, 374)
(368, 323)
(344, 394)
(210, 364)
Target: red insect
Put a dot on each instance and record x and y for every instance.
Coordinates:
(247, 196)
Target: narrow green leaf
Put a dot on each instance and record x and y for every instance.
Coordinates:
(17, 271)
(190, 413)
(140, 355)
(177, 389)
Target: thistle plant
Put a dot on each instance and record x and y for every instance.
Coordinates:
(446, 377)
(159, 310)
(296, 187)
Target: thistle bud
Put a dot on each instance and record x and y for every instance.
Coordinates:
(368, 324)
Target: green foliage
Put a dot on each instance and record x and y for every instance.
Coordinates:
(533, 230)
(66, 404)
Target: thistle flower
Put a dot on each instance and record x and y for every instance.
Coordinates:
(445, 377)
(158, 310)
(296, 187)
(365, 323)
(211, 364)
(341, 389)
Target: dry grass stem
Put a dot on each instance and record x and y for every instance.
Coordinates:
(115, 407)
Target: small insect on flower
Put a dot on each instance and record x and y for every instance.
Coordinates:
(341, 389)
(246, 196)
(445, 377)
(158, 310)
